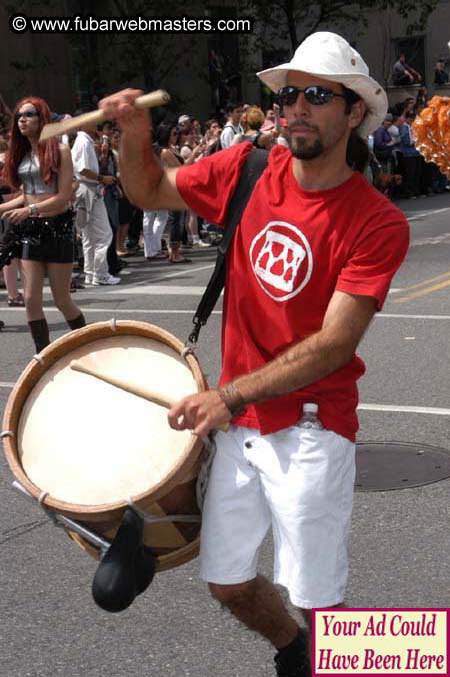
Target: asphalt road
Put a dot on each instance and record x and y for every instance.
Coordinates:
(400, 550)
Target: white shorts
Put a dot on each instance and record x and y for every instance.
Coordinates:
(298, 481)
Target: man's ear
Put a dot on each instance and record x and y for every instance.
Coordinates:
(357, 114)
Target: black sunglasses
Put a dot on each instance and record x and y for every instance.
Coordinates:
(316, 95)
(26, 114)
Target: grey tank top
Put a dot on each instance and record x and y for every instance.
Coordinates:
(30, 177)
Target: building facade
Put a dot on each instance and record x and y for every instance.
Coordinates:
(201, 71)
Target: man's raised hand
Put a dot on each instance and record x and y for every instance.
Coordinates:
(120, 107)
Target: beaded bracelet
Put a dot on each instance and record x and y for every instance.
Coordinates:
(232, 398)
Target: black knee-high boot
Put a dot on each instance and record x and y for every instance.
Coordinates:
(77, 322)
(40, 333)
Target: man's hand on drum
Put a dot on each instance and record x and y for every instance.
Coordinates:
(200, 413)
(120, 107)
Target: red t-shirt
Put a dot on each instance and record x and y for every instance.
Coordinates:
(291, 251)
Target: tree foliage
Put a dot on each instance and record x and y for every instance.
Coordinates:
(101, 59)
(300, 18)
(157, 55)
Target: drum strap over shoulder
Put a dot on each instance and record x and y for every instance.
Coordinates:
(254, 165)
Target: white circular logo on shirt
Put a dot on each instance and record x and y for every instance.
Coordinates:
(281, 259)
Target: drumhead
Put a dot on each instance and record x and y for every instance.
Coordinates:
(87, 442)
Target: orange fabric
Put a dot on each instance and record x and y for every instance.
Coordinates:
(431, 130)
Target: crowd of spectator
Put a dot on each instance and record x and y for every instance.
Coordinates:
(108, 228)
(119, 230)
(440, 74)
(403, 73)
(394, 153)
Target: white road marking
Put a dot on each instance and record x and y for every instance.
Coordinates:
(116, 311)
(410, 410)
(399, 316)
(366, 407)
(422, 215)
(159, 290)
(184, 311)
(436, 239)
(180, 272)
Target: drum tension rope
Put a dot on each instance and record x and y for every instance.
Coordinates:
(50, 513)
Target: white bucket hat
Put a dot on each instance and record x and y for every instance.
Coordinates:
(330, 57)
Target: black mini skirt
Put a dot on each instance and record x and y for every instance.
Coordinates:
(50, 239)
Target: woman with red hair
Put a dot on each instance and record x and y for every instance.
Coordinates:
(40, 215)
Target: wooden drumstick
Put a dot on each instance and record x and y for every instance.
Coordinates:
(157, 98)
(133, 388)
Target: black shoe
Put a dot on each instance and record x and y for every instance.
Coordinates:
(76, 283)
(293, 660)
(2, 324)
(116, 269)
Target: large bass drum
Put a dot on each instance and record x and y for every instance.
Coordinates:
(88, 450)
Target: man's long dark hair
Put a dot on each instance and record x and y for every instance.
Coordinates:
(357, 148)
(357, 152)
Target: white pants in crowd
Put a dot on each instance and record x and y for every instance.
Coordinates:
(93, 224)
(153, 225)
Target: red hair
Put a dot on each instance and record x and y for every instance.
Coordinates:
(19, 146)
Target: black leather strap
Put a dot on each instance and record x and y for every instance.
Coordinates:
(254, 165)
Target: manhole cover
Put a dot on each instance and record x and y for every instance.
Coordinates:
(382, 466)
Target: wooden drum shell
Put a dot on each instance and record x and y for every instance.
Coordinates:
(176, 543)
